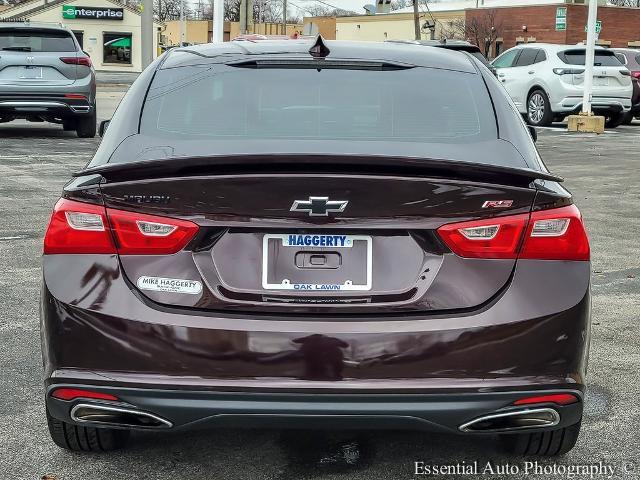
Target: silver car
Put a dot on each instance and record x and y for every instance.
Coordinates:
(45, 76)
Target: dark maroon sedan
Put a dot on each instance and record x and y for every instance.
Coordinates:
(300, 234)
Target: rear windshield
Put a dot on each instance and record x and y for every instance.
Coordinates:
(480, 57)
(407, 105)
(602, 58)
(31, 40)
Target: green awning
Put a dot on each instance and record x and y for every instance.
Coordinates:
(119, 42)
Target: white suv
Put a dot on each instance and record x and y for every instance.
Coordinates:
(546, 82)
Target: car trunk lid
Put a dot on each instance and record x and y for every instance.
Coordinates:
(266, 245)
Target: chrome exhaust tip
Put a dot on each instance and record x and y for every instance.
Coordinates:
(80, 108)
(106, 415)
(512, 421)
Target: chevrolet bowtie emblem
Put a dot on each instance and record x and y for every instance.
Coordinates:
(319, 206)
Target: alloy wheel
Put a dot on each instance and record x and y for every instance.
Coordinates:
(536, 108)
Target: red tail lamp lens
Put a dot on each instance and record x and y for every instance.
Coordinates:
(557, 398)
(78, 227)
(554, 234)
(140, 234)
(86, 61)
(73, 393)
(497, 237)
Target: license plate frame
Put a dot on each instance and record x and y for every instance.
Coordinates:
(317, 287)
(31, 73)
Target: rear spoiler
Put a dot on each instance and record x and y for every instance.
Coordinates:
(304, 163)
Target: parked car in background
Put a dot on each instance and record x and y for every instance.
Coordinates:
(45, 76)
(458, 45)
(287, 234)
(630, 58)
(546, 82)
(256, 37)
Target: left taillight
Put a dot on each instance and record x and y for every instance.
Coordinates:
(554, 234)
(140, 234)
(86, 61)
(77, 228)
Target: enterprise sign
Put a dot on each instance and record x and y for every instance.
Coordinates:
(96, 13)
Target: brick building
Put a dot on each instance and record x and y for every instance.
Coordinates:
(558, 23)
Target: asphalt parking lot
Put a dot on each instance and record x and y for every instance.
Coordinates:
(602, 172)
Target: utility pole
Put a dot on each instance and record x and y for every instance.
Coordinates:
(416, 19)
(246, 16)
(284, 17)
(218, 20)
(146, 33)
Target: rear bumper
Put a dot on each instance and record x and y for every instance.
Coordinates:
(19, 106)
(185, 410)
(573, 104)
(197, 368)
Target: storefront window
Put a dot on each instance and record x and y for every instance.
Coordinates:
(117, 48)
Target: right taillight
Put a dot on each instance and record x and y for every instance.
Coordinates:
(86, 61)
(555, 234)
(84, 228)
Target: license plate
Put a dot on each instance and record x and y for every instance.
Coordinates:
(31, 73)
(318, 263)
(601, 81)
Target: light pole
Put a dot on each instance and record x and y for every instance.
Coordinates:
(218, 21)
(587, 121)
(589, 57)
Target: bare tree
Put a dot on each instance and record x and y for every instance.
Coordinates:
(454, 29)
(484, 30)
(400, 4)
(165, 10)
(324, 11)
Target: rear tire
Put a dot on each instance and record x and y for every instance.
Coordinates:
(546, 444)
(85, 439)
(86, 125)
(628, 118)
(539, 112)
(614, 120)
